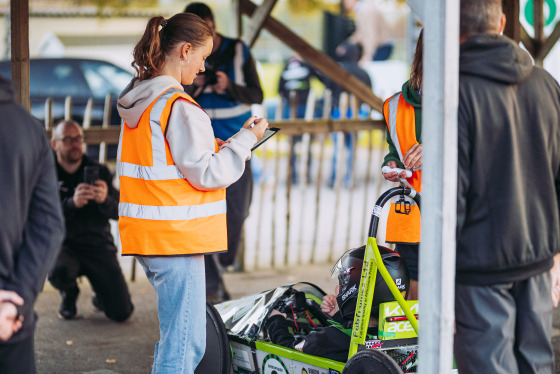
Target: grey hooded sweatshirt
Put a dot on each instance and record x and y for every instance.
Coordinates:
(190, 136)
(508, 220)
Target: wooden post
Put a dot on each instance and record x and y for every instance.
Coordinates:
(19, 29)
(511, 10)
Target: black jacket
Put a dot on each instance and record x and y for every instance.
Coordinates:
(87, 227)
(30, 215)
(508, 221)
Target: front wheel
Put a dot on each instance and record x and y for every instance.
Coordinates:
(217, 358)
(371, 361)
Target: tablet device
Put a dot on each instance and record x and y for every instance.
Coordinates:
(268, 133)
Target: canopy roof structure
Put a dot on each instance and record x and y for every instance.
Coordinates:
(260, 18)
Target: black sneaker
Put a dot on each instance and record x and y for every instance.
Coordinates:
(67, 308)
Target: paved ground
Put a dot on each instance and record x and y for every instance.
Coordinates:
(94, 345)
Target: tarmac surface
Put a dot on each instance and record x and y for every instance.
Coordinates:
(92, 344)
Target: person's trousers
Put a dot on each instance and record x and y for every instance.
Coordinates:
(238, 201)
(101, 267)
(18, 358)
(505, 328)
(181, 300)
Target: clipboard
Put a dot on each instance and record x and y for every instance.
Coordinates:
(268, 133)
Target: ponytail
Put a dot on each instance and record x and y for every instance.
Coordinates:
(162, 36)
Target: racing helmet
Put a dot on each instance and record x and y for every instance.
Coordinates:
(348, 269)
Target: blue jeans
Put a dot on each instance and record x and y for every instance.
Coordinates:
(181, 296)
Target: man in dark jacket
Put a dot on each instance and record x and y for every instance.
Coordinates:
(508, 221)
(32, 226)
(88, 202)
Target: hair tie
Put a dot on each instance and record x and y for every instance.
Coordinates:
(163, 23)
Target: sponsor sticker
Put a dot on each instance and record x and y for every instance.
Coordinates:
(272, 364)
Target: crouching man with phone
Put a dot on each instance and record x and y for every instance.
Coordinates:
(88, 200)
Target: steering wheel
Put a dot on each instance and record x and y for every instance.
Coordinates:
(303, 313)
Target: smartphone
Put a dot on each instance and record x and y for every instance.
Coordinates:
(91, 174)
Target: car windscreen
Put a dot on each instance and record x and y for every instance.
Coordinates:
(57, 78)
(104, 78)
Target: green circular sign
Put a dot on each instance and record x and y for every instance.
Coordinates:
(529, 7)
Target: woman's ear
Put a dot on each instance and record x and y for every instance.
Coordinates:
(185, 49)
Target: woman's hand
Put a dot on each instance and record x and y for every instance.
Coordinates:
(257, 126)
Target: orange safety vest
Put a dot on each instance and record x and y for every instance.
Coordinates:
(160, 212)
(403, 228)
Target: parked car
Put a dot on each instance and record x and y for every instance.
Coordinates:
(79, 78)
(76, 77)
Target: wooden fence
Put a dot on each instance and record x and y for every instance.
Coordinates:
(314, 220)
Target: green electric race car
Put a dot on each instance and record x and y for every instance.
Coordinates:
(238, 342)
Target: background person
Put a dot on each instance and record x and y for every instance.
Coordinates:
(372, 38)
(32, 227)
(173, 173)
(404, 138)
(296, 77)
(88, 247)
(508, 219)
(225, 91)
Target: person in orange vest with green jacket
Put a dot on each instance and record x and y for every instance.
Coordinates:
(173, 174)
(403, 115)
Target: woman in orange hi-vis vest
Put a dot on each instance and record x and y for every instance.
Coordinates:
(173, 174)
(403, 114)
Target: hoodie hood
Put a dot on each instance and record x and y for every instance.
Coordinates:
(496, 58)
(138, 96)
(411, 96)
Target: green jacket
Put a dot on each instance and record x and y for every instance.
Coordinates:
(413, 98)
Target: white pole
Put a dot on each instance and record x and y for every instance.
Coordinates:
(439, 179)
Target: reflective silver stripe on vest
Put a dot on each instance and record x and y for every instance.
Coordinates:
(393, 107)
(119, 147)
(158, 138)
(230, 112)
(152, 173)
(172, 213)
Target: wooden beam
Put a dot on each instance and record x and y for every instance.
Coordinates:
(236, 23)
(550, 42)
(538, 25)
(110, 134)
(257, 19)
(19, 29)
(417, 7)
(527, 41)
(511, 10)
(317, 58)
